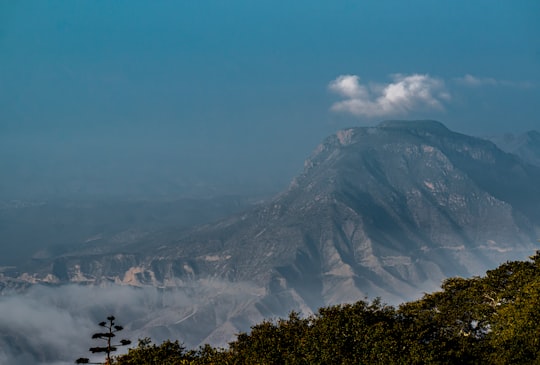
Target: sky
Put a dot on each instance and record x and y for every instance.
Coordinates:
(164, 98)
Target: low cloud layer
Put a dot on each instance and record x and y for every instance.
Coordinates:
(53, 325)
(404, 95)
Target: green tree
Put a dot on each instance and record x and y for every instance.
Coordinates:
(358, 333)
(516, 325)
(447, 326)
(147, 353)
(272, 343)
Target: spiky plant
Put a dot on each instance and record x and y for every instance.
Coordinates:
(108, 335)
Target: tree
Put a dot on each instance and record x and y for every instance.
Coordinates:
(516, 327)
(146, 353)
(110, 332)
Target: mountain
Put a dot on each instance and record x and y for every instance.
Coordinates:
(378, 211)
(384, 211)
(525, 145)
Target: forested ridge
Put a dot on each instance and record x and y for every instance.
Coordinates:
(493, 319)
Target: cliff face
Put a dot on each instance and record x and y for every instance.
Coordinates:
(385, 211)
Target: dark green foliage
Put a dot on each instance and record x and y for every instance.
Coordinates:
(516, 325)
(483, 320)
(146, 353)
(353, 334)
(269, 343)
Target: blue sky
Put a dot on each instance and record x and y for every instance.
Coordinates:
(240, 92)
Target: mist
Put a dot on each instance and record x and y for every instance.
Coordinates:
(142, 164)
(54, 325)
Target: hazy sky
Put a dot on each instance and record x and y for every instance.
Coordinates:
(179, 92)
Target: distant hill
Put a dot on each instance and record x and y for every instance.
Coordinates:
(45, 229)
(525, 145)
(385, 211)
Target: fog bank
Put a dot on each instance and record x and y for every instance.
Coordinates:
(54, 325)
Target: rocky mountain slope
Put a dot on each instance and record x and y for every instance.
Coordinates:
(383, 211)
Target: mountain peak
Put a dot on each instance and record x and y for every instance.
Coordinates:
(431, 125)
(349, 136)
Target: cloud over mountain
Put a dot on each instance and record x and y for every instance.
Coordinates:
(405, 94)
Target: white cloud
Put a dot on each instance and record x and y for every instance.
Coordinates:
(407, 93)
(470, 80)
(474, 81)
